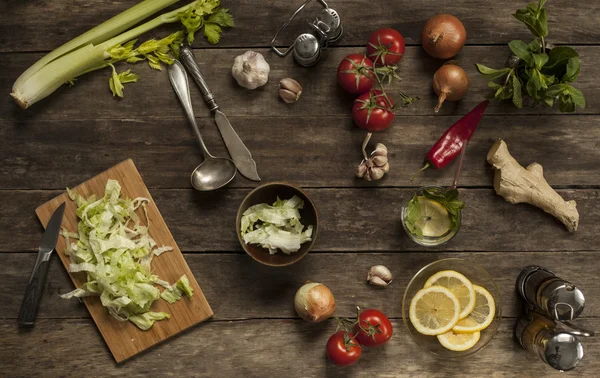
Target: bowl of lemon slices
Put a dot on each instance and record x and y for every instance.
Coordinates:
(452, 308)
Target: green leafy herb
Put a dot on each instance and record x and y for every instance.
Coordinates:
(116, 81)
(448, 198)
(538, 73)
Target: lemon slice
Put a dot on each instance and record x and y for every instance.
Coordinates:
(459, 285)
(459, 342)
(435, 220)
(482, 315)
(434, 310)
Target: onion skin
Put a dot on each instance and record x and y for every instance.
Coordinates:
(450, 83)
(314, 302)
(443, 36)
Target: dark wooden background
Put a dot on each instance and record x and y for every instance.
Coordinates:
(81, 131)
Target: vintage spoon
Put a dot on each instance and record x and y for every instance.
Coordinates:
(213, 172)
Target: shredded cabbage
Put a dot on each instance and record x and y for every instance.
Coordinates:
(277, 226)
(115, 250)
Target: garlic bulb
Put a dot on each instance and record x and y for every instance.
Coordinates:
(314, 302)
(251, 70)
(376, 166)
(379, 275)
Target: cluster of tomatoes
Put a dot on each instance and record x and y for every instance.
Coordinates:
(357, 74)
(372, 328)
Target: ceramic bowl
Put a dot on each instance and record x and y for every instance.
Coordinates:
(268, 193)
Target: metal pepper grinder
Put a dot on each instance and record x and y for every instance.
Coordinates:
(561, 349)
(550, 294)
(544, 329)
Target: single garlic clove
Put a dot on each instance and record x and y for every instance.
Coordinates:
(290, 85)
(289, 90)
(380, 150)
(379, 161)
(361, 170)
(385, 168)
(287, 96)
(376, 173)
(379, 275)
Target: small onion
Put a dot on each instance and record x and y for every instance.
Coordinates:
(450, 83)
(314, 302)
(443, 36)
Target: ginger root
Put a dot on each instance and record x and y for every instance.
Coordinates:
(528, 185)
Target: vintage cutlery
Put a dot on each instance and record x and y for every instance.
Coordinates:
(213, 172)
(33, 293)
(237, 149)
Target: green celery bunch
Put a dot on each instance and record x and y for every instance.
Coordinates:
(542, 73)
(113, 41)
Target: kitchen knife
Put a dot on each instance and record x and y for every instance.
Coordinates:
(240, 154)
(33, 294)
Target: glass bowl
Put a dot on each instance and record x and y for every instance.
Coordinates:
(478, 276)
(425, 240)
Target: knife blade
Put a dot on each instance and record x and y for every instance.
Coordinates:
(33, 293)
(240, 154)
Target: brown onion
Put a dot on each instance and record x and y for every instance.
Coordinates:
(450, 83)
(443, 36)
(314, 302)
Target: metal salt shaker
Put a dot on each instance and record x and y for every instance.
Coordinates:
(560, 349)
(550, 294)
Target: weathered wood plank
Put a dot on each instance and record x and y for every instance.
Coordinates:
(44, 25)
(311, 151)
(258, 348)
(350, 220)
(152, 96)
(238, 288)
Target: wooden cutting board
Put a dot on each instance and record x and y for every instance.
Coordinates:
(124, 339)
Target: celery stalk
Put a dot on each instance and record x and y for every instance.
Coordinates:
(100, 33)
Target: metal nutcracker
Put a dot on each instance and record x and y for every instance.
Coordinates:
(325, 29)
(544, 330)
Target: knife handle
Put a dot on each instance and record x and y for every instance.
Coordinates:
(187, 57)
(33, 294)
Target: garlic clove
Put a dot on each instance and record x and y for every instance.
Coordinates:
(379, 161)
(379, 275)
(380, 150)
(288, 96)
(376, 173)
(385, 168)
(289, 90)
(291, 85)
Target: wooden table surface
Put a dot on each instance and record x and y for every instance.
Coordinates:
(81, 131)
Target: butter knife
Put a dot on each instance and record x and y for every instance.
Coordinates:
(240, 154)
(33, 293)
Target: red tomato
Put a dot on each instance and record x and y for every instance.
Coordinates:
(343, 349)
(355, 74)
(371, 111)
(373, 329)
(385, 47)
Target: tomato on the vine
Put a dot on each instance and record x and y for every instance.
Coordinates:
(373, 111)
(355, 74)
(343, 349)
(385, 47)
(373, 328)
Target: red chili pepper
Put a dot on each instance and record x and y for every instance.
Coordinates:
(449, 145)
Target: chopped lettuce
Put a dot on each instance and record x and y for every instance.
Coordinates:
(173, 293)
(115, 250)
(277, 226)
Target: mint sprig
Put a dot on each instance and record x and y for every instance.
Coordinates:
(541, 73)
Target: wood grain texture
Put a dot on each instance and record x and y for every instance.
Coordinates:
(124, 339)
(486, 22)
(268, 348)
(239, 288)
(350, 220)
(309, 151)
(90, 97)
